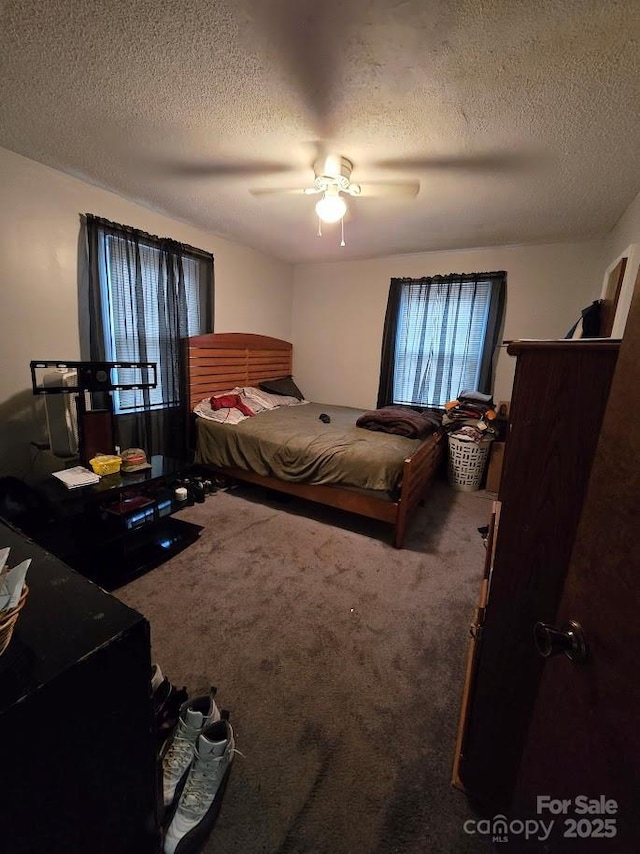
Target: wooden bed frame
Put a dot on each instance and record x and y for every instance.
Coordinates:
(220, 361)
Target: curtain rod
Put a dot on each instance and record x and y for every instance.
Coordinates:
(144, 235)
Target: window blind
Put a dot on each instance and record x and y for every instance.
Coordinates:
(133, 320)
(440, 339)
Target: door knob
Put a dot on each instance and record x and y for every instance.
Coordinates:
(569, 640)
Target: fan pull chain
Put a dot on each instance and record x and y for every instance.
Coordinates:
(342, 243)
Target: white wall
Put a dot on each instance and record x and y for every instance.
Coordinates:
(39, 230)
(339, 308)
(624, 240)
(332, 312)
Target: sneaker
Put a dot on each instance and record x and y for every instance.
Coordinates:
(201, 797)
(157, 677)
(167, 702)
(195, 715)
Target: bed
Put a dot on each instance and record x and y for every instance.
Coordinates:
(220, 362)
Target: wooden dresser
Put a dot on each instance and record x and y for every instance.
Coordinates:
(559, 398)
(79, 772)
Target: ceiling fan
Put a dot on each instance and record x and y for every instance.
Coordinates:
(332, 180)
(315, 64)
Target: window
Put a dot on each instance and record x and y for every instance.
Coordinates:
(133, 326)
(439, 338)
(145, 295)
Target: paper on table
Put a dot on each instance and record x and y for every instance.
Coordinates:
(12, 585)
(76, 476)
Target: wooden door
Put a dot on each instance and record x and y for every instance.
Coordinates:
(584, 737)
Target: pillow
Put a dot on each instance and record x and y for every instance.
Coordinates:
(223, 416)
(283, 385)
(230, 401)
(255, 404)
(258, 399)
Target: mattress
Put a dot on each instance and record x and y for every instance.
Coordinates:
(291, 443)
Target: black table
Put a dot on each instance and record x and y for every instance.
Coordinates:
(96, 532)
(162, 472)
(78, 752)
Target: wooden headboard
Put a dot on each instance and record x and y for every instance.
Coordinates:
(221, 361)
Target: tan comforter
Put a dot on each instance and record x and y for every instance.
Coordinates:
(290, 443)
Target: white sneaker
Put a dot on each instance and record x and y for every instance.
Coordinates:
(157, 677)
(201, 797)
(195, 715)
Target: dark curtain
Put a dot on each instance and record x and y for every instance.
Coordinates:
(388, 356)
(446, 287)
(156, 428)
(494, 325)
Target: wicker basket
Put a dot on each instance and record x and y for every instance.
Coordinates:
(466, 463)
(8, 619)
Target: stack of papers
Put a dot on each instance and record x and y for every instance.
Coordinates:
(76, 476)
(11, 581)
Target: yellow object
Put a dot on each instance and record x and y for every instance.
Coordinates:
(451, 404)
(104, 464)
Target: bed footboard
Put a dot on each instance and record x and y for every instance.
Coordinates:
(416, 474)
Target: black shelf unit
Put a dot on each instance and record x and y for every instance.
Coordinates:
(112, 548)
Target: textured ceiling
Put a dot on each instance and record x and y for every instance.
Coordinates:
(520, 119)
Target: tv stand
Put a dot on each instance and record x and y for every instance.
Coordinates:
(117, 529)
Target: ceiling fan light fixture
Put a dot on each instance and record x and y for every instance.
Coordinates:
(331, 208)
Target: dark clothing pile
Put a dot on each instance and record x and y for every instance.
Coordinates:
(401, 420)
(470, 417)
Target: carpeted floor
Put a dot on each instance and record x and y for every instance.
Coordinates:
(341, 661)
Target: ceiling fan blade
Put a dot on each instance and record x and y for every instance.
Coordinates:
(505, 161)
(310, 46)
(389, 190)
(224, 169)
(276, 191)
